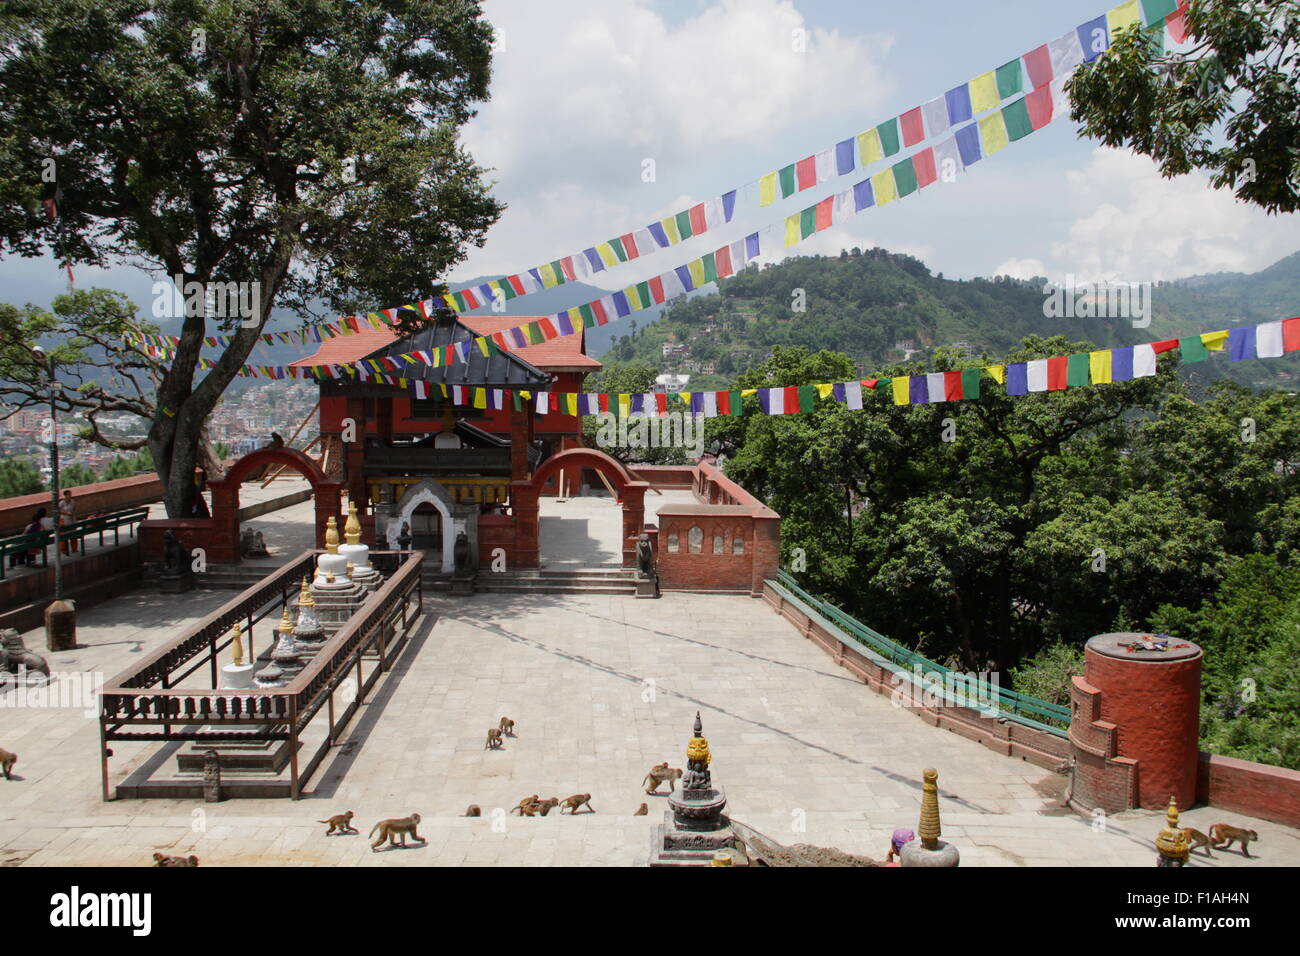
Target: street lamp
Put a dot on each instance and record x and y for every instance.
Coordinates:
(60, 616)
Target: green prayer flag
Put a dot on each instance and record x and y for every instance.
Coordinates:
(710, 268)
(534, 332)
(643, 290)
(905, 177)
(559, 272)
(1016, 116)
(518, 403)
(1157, 10)
(1078, 370)
(588, 316)
(1193, 349)
(684, 225)
(1010, 79)
(737, 403)
(786, 176)
(889, 136)
(507, 289)
(808, 222)
(970, 383)
(807, 397)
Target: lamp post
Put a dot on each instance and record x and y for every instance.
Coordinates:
(60, 616)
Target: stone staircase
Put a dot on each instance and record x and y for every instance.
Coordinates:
(559, 580)
(232, 577)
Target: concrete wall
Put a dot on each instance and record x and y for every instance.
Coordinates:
(1255, 789)
(86, 581)
(99, 498)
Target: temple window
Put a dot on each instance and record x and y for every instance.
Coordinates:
(695, 539)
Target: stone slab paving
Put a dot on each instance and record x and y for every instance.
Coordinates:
(602, 687)
(588, 531)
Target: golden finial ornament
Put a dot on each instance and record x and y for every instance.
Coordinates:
(698, 749)
(332, 535)
(329, 577)
(1171, 842)
(237, 647)
(351, 568)
(722, 858)
(928, 829)
(352, 530)
(286, 625)
(304, 596)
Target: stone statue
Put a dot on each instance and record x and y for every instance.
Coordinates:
(173, 554)
(252, 544)
(404, 539)
(15, 657)
(460, 555)
(211, 777)
(645, 557)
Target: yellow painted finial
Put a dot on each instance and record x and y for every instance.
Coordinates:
(698, 749)
(286, 625)
(928, 829)
(304, 596)
(237, 648)
(332, 536)
(352, 530)
(351, 568)
(1172, 841)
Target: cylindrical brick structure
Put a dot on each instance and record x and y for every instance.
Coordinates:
(1146, 704)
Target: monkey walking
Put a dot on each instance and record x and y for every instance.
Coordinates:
(162, 859)
(1222, 835)
(474, 810)
(342, 822)
(642, 811)
(390, 830)
(1196, 838)
(493, 739)
(658, 774)
(507, 727)
(575, 801)
(525, 805)
(7, 761)
(543, 807)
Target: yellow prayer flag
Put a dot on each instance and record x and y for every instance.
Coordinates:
(1123, 17)
(606, 253)
(375, 321)
(575, 316)
(480, 342)
(696, 268)
(670, 229)
(902, 389)
(825, 391)
(884, 187)
(624, 405)
(984, 92)
(571, 402)
(1099, 363)
(480, 398)
(998, 372)
(633, 298)
(869, 148)
(767, 189)
(547, 272)
(993, 133)
(1214, 341)
(791, 230)
(451, 301)
(748, 391)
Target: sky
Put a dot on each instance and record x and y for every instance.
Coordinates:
(714, 93)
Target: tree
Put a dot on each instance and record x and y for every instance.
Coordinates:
(18, 478)
(76, 474)
(269, 154)
(1241, 78)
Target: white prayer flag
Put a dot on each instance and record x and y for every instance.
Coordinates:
(1066, 52)
(1036, 373)
(825, 162)
(672, 285)
(935, 114)
(775, 401)
(1268, 339)
(1144, 361)
(542, 402)
(853, 395)
(713, 216)
(645, 242)
(934, 385)
(947, 160)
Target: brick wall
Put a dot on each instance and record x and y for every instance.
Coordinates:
(1256, 789)
(104, 496)
(86, 581)
(495, 531)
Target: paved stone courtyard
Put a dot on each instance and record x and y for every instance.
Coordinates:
(602, 688)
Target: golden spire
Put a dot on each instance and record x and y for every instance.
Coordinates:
(928, 828)
(351, 567)
(1171, 842)
(304, 596)
(286, 625)
(332, 536)
(698, 748)
(352, 530)
(237, 649)
(329, 577)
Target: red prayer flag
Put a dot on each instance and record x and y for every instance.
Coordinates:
(1038, 64)
(1058, 373)
(629, 245)
(548, 329)
(791, 401)
(657, 289)
(1291, 335)
(923, 164)
(824, 209)
(722, 262)
(661, 402)
(913, 127)
(806, 172)
(698, 223)
(516, 283)
(1039, 103)
(869, 382)
(598, 311)
(1177, 23)
(724, 403)
(603, 399)
(1166, 346)
(952, 390)
(567, 265)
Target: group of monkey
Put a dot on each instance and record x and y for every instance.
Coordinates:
(1221, 837)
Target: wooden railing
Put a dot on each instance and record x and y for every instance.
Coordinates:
(142, 703)
(77, 531)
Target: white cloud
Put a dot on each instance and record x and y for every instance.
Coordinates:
(1021, 268)
(1135, 225)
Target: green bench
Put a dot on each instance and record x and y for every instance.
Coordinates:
(78, 531)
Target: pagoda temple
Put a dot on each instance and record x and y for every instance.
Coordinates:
(438, 457)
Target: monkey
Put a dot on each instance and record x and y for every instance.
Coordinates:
(162, 859)
(543, 807)
(642, 811)
(493, 738)
(7, 761)
(1196, 838)
(507, 727)
(391, 829)
(658, 775)
(1222, 836)
(474, 810)
(525, 805)
(342, 822)
(575, 801)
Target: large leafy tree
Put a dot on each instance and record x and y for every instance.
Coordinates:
(1229, 105)
(304, 150)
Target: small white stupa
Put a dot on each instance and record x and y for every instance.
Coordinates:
(335, 594)
(357, 554)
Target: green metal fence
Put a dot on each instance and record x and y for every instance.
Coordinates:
(958, 687)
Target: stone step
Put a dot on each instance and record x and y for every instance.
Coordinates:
(546, 587)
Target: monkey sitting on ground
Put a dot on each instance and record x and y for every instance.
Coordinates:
(342, 822)
(391, 829)
(473, 810)
(1196, 838)
(162, 859)
(507, 726)
(575, 801)
(642, 811)
(493, 738)
(543, 807)
(7, 761)
(1222, 836)
(658, 774)
(525, 805)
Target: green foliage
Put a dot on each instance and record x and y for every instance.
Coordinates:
(1048, 674)
(76, 474)
(141, 464)
(1230, 106)
(18, 478)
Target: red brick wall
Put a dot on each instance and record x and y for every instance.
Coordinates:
(705, 571)
(1270, 793)
(81, 578)
(496, 531)
(119, 495)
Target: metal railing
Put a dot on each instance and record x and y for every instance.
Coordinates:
(77, 531)
(958, 686)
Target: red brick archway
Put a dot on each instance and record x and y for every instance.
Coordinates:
(223, 545)
(524, 497)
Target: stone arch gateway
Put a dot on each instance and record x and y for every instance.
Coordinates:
(432, 493)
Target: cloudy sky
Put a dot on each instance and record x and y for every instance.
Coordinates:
(713, 91)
